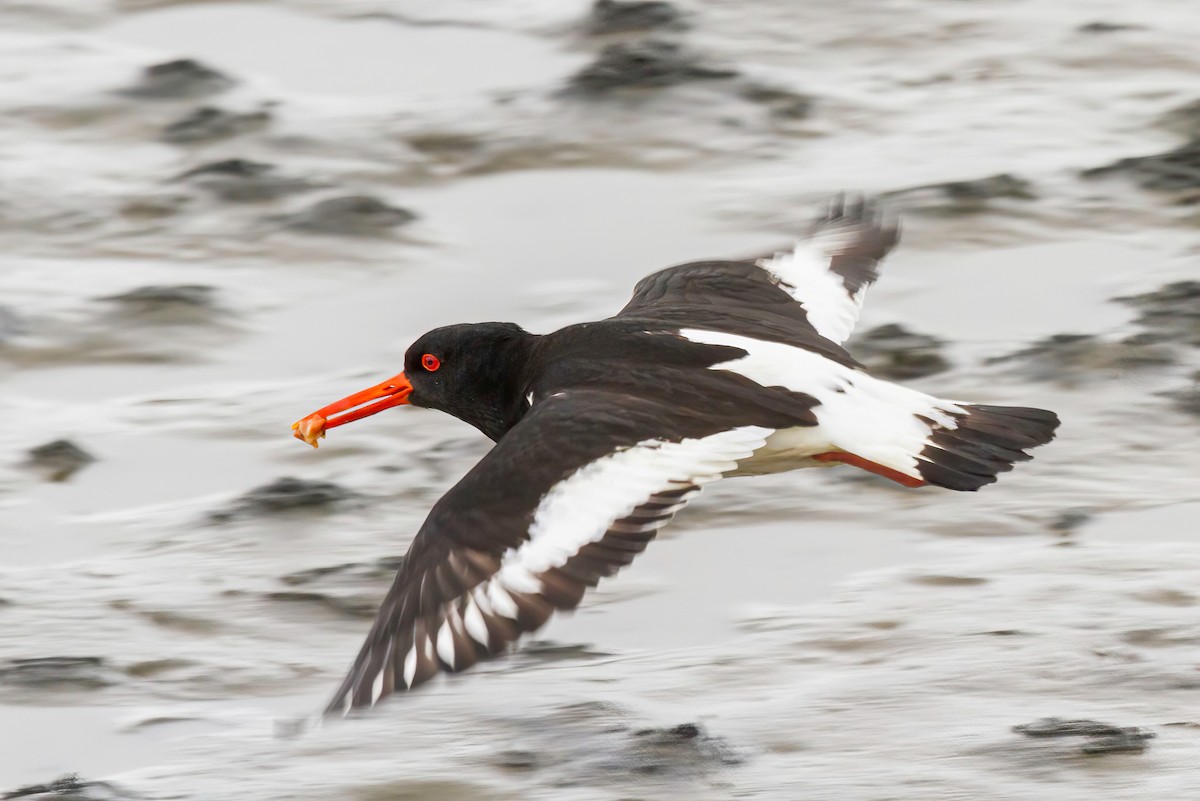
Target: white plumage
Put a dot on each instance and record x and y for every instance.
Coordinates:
(866, 416)
(582, 507)
(805, 273)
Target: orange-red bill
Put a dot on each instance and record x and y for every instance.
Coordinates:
(385, 395)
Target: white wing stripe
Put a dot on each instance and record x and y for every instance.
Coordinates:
(445, 642)
(475, 624)
(805, 275)
(807, 272)
(377, 685)
(410, 661)
(501, 601)
(581, 508)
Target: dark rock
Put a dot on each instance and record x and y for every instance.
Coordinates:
(10, 324)
(782, 103)
(1058, 727)
(209, 124)
(351, 589)
(1187, 400)
(518, 759)
(236, 168)
(593, 744)
(1184, 120)
(181, 79)
(967, 196)
(59, 459)
(446, 147)
(69, 788)
(363, 605)
(1068, 358)
(667, 750)
(1132, 741)
(354, 215)
(549, 651)
(363, 571)
(1172, 313)
(640, 65)
(155, 207)
(1176, 170)
(165, 297)
(157, 667)
(684, 731)
(244, 181)
(1066, 522)
(1107, 27)
(162, 305)
(994, 186)
(1159, 637)
(625, 16)
(78, 671)
(1102, 738)
(167, 618)
(941, 580)
(892, 351)
(284, 495)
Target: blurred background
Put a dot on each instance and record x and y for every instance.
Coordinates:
(217, 217)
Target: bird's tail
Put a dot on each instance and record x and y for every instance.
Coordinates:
(987, 441)
(916, 439)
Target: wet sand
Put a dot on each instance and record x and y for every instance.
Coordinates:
(831, 635)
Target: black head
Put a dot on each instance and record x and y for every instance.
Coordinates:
(474, 371)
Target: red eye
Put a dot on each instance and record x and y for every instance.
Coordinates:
(430, 362)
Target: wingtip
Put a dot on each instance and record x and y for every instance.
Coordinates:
(858, 222)
(855, 209)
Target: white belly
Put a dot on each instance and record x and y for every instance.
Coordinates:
(786, 449)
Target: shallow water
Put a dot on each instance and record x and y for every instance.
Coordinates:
(834, 636)
(354, 57)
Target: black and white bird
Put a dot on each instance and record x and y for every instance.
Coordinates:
(605, 430)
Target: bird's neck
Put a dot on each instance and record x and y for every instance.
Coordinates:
(506, 375)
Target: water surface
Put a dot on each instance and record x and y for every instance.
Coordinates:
(833, 635)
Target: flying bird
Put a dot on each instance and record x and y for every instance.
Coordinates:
(605, 430)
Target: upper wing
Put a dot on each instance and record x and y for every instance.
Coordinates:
(810, 296)
(570, 495)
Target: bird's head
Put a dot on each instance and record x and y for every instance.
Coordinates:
(472, 371)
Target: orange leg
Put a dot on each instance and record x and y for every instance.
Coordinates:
(870, 467)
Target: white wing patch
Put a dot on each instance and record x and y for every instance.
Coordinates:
(805, 275)
(875, 419)
(582, 507)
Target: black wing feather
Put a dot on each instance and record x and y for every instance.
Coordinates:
(423, 623)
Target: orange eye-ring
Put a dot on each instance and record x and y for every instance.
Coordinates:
(430, 362)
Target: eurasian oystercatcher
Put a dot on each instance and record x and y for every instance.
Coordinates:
(605, 430)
